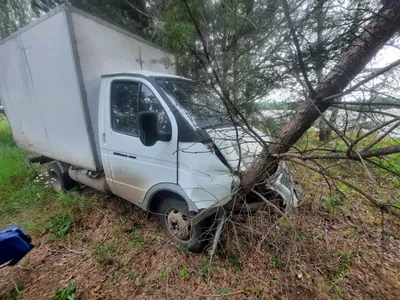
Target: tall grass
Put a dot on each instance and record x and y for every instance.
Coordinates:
(26, 200)
(14, 171)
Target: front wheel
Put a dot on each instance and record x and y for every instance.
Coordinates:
(175, 220)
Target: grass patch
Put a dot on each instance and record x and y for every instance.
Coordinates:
(206, 268)
(275, 261)
(138, 240)
(15, 293)
(59, 226)
(27, 200)
(343, 268)
(184, 272)
(103, 252)
(65, 294)
(234, 261)
(332, 203)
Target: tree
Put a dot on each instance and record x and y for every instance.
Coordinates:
(236, 32)
(128, 14)
(13, 15)
(285, 52)
(382, 27)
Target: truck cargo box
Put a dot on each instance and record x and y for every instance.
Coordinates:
(50, 80)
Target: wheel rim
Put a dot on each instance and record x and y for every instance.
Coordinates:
(54, 180)
(178, 225)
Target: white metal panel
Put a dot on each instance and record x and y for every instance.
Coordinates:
(101, 50)
(227, 140)
(135, 168)
(203, 177)
(156, 60)
(40, 80)
(19, 99)
(42, 91)
(105, 49)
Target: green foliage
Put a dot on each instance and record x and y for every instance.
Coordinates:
(59, 226)
(27, 200)
(256, 291)
(17, 189)
(392, 234)
(138, 239)
(179, 31)
(65, 294)
(273, 280)
(224, 291)
(184, 272)
(275, 261)
(13, 15)
(16, 291)
(206, 268)
(344, 264)
(6, 139)
(277, 105)
(74, 202)
(331, 203)
(302, 236)
(234, 260)
(134, 274)
(103, 252)
(391, 162)
(163, 272)
(343, 267)
(120, 12)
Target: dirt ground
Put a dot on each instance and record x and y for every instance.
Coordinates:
(329, 248)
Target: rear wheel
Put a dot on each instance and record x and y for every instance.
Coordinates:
(59, 177)
(175, 219)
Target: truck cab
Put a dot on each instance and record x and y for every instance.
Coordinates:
(171, 147)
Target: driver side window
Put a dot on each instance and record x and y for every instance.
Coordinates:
(149, 102)
(128, 98)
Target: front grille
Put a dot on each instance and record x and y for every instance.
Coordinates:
(286, 180)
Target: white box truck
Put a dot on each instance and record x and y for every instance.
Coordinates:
(104, 108)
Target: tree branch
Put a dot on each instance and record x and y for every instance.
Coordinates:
(344, 155)
(366, 80)
(297, 45)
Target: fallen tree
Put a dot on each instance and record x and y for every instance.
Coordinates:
(382, 27)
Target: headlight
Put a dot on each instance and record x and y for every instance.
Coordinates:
(235, 183)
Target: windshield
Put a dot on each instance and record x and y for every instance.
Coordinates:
(203, 107)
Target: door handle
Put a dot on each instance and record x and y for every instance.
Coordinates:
(120, 154)
(104, 138)
(124, 155)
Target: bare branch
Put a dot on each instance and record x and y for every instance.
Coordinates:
(376, 203)
(382, 136)
(343, 155)
(354, 143)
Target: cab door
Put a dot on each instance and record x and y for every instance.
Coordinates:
(132, 167)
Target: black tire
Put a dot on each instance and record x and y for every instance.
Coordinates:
(59, 178)
(189, 237)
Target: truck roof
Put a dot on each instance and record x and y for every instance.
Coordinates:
(143, 73)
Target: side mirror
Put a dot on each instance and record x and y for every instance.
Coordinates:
(148, 129)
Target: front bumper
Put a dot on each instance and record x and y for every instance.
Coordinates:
(281, 183)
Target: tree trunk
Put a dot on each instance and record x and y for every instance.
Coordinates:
(325, 130)
(381, 28)
(319, 61)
